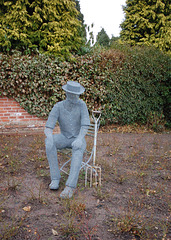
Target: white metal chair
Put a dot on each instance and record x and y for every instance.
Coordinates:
(92, 171)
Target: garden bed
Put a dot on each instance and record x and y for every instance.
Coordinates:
(132, 203)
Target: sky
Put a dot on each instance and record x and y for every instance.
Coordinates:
(107, 14)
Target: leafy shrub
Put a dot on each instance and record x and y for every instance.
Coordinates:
(145, 81)
(128, 85)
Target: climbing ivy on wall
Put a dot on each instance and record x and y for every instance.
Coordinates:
(128, 85)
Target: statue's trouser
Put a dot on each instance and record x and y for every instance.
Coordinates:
(60, 142)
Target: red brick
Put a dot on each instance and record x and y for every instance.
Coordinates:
(34, 119)
(25, 120)
(12, 104)
(5, 120)
(26, 114)
(3, 103)
(13, 111)
(27, 117)
(20, 117)
(22, 111)
(3, 111)
(6, 108)
(12, 117)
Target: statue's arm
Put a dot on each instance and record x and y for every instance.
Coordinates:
(51, 122)
(48, 131)
(85, 122)
(78, 141)
(83, 132)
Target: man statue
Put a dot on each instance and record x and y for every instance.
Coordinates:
(73, 118)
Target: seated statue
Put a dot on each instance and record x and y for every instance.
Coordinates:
(73, 118)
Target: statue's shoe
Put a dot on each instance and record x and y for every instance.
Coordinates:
(67, 192)
(54, 185)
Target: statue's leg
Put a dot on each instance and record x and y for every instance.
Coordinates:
(59, 141)
(77, 156)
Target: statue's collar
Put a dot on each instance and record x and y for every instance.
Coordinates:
(69, 106)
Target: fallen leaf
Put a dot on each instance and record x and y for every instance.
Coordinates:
(55, 233)
(27, 209)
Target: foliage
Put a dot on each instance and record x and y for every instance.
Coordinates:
(147, 22)
(103, 38)
(82, 28)
(129, 85)
(85, 47)
(49, 26)
(145, 82)
(114, 40)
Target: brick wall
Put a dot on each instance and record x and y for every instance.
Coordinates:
(12, 112)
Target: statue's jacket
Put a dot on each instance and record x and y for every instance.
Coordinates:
(70, 122)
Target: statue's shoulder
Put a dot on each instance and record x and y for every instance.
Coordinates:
(58, 104)
(82, 104)
(56, 108)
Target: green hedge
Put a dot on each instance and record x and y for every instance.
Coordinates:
(143, 86)
(128, 85)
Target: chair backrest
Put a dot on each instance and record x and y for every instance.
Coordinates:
(91, 130)
(92, 127)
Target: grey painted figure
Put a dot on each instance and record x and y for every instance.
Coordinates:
(73, 118)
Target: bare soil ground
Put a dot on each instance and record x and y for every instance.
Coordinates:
(132, 203)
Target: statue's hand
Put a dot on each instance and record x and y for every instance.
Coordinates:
(77, 143)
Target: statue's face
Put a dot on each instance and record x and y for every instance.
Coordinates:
(73, 98)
